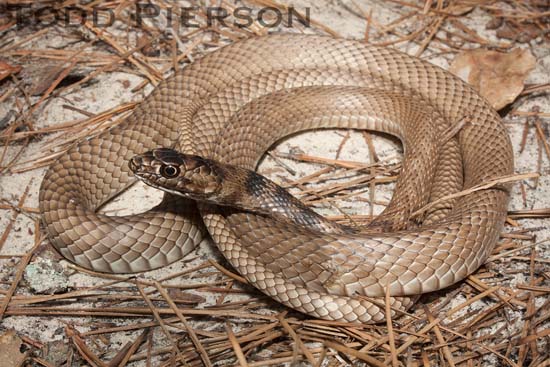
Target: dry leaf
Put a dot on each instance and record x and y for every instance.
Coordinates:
(499, 77)
(6, 69)
(10, 350)
(520, 33)
(461, 9)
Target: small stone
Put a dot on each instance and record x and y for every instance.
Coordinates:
(46, 277)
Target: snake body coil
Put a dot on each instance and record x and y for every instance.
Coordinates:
(233, 104)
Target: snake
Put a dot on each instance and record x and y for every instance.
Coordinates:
(201, 133)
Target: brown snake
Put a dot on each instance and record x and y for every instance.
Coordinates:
(231, 106)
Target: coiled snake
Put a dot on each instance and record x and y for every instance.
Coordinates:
(232, 105)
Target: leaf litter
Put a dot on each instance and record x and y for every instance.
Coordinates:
(201, 313)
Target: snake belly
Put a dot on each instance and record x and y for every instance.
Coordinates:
(231, 106)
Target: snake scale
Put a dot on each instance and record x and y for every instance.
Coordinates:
(231, 106)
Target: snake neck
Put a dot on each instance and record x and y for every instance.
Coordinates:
(250, 191)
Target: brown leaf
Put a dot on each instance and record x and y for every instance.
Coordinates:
(10, 350)
(499, 77)
(148, 49)
(6, 69)
(520, 33)
(461, 9)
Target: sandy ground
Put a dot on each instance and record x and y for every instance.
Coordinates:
(111, 89)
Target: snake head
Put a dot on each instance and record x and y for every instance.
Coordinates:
(181, 174)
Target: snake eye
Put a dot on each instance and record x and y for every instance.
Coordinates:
(169, 171)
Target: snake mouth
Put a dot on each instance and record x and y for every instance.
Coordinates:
(150, 180)
(142, 171)
(142, 166)
(135, 164)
